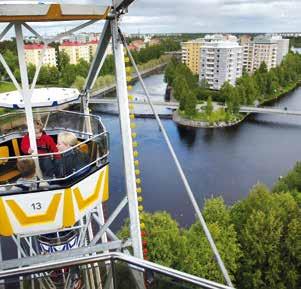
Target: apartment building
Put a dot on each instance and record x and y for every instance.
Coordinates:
(33, 54)
(220, 61)
(92, 45)
(282, 47)
(264, 48)
(76, 51)
(191, 54)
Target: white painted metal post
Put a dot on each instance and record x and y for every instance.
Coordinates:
(183, 177)
(25, 87)
(127, 146)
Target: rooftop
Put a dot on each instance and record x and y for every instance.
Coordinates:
(35, 46)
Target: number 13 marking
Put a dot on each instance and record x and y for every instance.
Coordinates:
(36, 206)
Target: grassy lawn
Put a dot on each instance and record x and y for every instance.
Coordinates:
(216, 116)
(6, 86)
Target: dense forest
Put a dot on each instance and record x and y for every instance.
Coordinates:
(259, 238)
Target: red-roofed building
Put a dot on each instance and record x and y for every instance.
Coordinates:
(154, 41)
(138, 44)
(33, 54)
(76, 50)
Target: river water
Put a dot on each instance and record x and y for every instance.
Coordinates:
(223, 162)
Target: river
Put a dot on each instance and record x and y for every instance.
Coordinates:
(223, 162)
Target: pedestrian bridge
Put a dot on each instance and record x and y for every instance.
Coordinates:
(171, 105)
(175, 105)
(269, 110)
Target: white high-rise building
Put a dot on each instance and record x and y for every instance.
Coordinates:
(282, 47)
(220, 61)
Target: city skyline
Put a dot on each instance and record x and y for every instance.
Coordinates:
(198, 16)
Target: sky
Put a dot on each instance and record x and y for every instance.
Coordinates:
(199, 16)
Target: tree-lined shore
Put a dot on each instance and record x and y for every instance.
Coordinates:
(259, 238)
(254, 89)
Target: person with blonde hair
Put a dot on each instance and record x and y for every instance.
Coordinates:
(72, 159)
(45, 144)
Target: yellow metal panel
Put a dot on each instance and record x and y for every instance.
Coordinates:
(16, 147)
(54, 14)
(105, 194)
(5, 226)
(4, 153)
(39, 219)
(85, 203)
(68, 216)
(9, 175)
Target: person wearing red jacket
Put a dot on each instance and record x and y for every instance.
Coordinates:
(45, 144)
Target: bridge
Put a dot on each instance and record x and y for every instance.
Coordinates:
(175, 105)
(171, 105)
(269, 110)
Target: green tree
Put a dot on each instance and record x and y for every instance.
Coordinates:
(199, 259)
(180, 86)
(209, 106)
(204, 83)
(165, 244)
(82, 68)
(11, 60)
(68, 75)
(291, 182)
(263, 68)
(169, 73)
(79, 82)
(262, 223)
(231, 96)
(63, 60)
(31, 69)
(190, 103)
(44, 75)
(53, 75)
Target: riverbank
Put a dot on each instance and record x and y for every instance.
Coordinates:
(201, 124)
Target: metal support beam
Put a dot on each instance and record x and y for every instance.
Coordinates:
(99, 57)
(77, 253)
(25, 87)
(5, 30)
(127, 145)
(122, 4)
(110, 221)
(182, 175)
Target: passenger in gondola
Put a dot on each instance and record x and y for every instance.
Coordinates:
(28, 180)
(45, 144)
(72, 158)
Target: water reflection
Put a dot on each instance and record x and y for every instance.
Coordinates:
(223, 162)
(187, 135)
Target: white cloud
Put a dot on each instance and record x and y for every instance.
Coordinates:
(201, 16)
